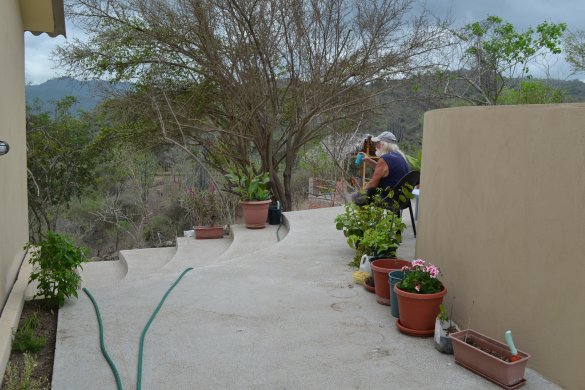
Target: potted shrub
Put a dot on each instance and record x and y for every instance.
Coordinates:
(371, 230)
(420, 294)
(252, 188)
(489, 358)
(204, 211)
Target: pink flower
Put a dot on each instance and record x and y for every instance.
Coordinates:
(418, 262)
(417, 287)
(432, 270)
(405, 268)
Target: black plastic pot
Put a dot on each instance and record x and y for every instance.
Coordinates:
(274, 215)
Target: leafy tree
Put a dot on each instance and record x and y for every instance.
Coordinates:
(60, 163)
(238, 80)
(575, 50)
(531, 92)
(491, 51)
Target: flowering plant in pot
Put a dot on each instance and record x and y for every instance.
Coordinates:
(205, 212)
(252, 188)
(420, 294)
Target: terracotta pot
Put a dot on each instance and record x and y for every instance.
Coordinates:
(418, 311)
(255, 213)
(505, 374)
(205, 232)
(381, 268)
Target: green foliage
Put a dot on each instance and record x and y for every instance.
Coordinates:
(55, 261)
(497, 50)
(414, 160)
(247, 184)
(371, 229)
(25, 338)
(15, 380)
(60, 163)
(531, 92)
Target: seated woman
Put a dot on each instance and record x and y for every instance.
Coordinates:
(388, 170)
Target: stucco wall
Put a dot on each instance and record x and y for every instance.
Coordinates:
(502, 212)
(13, 198)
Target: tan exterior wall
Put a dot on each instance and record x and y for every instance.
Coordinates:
(502, 213)
(13, 194)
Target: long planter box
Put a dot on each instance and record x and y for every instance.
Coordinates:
(505, 374)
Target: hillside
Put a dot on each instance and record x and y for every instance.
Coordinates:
(88, 93)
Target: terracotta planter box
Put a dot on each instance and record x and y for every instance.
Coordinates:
(206, 232)
(505, 374)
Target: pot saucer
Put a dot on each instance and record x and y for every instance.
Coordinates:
(369, 288)
(414, 332)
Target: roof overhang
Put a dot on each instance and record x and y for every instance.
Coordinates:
(43, 16)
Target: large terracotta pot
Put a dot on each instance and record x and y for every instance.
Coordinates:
(206, 232)
(506, 374)
(255, 213)
(381, 268)
(418, 311)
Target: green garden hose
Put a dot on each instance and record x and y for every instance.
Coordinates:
(142, 336)
(102, 344)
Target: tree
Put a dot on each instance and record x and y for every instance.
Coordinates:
(243, 80)
(60, 164)
(531, 92)
(575, 50)
(491, 51)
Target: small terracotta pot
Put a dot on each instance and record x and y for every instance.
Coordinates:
(381, 268)
(418, 311)
(205, 232)
(255, 213)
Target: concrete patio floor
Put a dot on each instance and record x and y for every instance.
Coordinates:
(254, 313)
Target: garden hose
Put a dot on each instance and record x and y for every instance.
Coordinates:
(102, 344)
(142, 336)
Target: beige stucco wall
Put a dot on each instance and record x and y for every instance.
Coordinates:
(502, 212)
(13, 198)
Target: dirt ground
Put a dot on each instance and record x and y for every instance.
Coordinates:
(43, 358)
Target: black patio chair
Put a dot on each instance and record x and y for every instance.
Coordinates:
(400, 200)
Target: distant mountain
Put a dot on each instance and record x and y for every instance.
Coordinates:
(88, 93)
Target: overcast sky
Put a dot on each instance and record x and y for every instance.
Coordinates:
(521, 13)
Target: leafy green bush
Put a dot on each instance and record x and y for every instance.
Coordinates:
(371, 229)
(25, 338)
(55, 261)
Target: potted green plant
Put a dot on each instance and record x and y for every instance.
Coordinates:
(252, 188)
(371, 229)
(205, 213)
(444, 326)
(420, 294)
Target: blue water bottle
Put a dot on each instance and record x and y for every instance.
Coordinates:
(359, 158)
